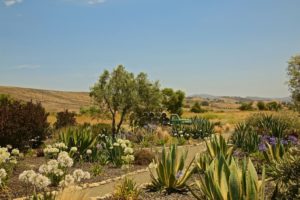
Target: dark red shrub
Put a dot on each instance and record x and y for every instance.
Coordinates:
(64, 119)
(22, 125)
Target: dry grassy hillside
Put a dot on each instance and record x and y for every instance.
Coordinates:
(53, 101)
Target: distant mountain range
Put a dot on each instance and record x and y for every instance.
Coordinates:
(237, 98)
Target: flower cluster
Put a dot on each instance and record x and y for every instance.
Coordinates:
(127, 157)
(51, 151)
(289, 140)
(37, 180)
(77, 176)
(3, 175)
(64, 159)
(7, 157)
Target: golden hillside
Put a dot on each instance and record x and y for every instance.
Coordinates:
(53, 101)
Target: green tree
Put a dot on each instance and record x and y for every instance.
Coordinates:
(261, 105)
(116, 92)
(196, 108)
(148, 100)
(173, 100)
(120, 93)
(293, 72)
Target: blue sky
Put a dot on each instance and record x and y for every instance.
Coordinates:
(234, 47)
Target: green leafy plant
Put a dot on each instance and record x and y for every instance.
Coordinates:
(224, 179)
(126, 190)
(171, 173)
(81, 138)
(97, 169)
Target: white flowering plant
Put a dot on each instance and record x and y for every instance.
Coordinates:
(55, 170)
(52, 151)
(8, 160)
(53, 173)
(120, 152)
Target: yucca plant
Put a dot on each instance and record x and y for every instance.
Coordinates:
(214, 147)
(274, 153)
(245, 137)
(224, 179)
(82, 138)
(201, 128)
(238, 137)
(171, 173)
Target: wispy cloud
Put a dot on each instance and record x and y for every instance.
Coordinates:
(11, 2)
(89, 2)
(27, 66)
(93, 2)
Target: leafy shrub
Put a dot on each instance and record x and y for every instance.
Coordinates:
(22, 125)
(204, 103)
(224, 179)
(246, 106)
(170, 170)
(126, 190)
(274, 106)
(196, 108)
(92, 111)
(143, 157)
(261, 105)
(64, 119)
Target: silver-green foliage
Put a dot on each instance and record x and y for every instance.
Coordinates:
(225, 179)
(171, 174)
(216, 146)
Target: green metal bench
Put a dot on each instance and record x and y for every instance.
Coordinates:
(176, 120)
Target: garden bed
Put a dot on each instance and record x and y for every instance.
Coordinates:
(17, 189)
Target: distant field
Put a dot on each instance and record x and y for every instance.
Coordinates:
(223, 109)
(53, 101)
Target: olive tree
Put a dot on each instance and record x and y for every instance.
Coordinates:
(293, 72)
(116, 92)
(121, 93)
(173, 100)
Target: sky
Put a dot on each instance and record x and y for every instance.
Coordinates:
(232, 48)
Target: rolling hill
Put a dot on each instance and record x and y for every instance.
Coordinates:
(52, 100)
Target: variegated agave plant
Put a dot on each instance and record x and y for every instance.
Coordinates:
(215, 146)
(170, 172)
(225, 180)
